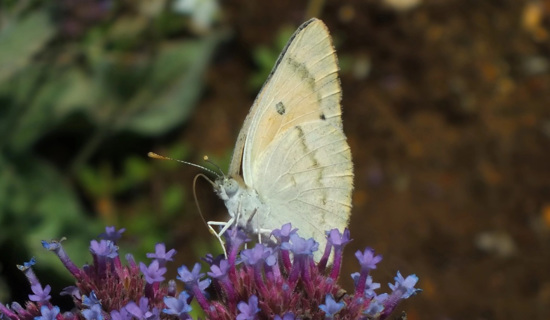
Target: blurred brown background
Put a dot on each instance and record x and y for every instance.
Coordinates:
(446, 108)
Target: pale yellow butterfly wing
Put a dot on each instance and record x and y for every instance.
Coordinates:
(292, 149)
(304, 83)
(309, 180)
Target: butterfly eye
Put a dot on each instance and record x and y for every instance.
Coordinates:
(230, 186)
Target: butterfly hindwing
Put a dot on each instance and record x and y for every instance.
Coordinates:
(311, 179)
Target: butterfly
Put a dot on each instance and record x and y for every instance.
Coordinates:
(292, 162)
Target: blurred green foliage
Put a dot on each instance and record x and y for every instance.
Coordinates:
(90, 71)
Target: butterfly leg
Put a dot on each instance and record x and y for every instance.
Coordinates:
(259, 231)
(237, 221)
(226, 225)
(234, 220)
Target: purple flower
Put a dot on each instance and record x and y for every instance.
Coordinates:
(369, 285)
(29, 273)
(71, 291)
(194, 284)
(161, 254)
(258, 254)
(104, 248)
(337, 239)
(234, 238)
(26, 268)
(94, 313)
(121, 314)
(248, 311)
(287, 316)
(177, 306)
(284, 282)
(300, 246)
(29, 263)
(219, 272)
(402, 289)
(283, 234)
(57, 248)
(367, 259)
(331, 307)
(51, 246)
(405, 286)
(376, 306)
(153, 273)
(189, 277)
(48, 314)
(204, 284)
(111, 234)
(40, 295)
(91, 300)
(142, 311)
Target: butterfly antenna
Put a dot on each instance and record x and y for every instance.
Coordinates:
(195, 194)
(215, 165)
(212, 231)
(157, 156)
(210, 228)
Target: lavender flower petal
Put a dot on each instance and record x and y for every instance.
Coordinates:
(331, 307)
(41, 295)
(248, 310)
(161, 254)
(367, 259)
(48, 314)
(177, 306)
(104, 248)
(112, 234)
(93, 313)
(153, 273)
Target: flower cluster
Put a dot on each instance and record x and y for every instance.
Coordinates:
(279, 281)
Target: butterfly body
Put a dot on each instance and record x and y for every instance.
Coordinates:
(292, 162)
(243, 204)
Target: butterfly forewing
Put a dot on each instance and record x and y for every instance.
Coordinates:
(303, 87)
(292, 150)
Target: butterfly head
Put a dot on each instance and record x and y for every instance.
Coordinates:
(227, 187)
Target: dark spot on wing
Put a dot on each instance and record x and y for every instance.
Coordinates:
(302, 71)
(280, 108)
(300, 134)
(305, 147)
(323, 116)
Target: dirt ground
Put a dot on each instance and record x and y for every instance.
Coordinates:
(446, 108)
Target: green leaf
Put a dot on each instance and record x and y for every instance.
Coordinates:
(21, 39)
(40, 99)
(79, 93)
(37, 204)
(176, 83)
